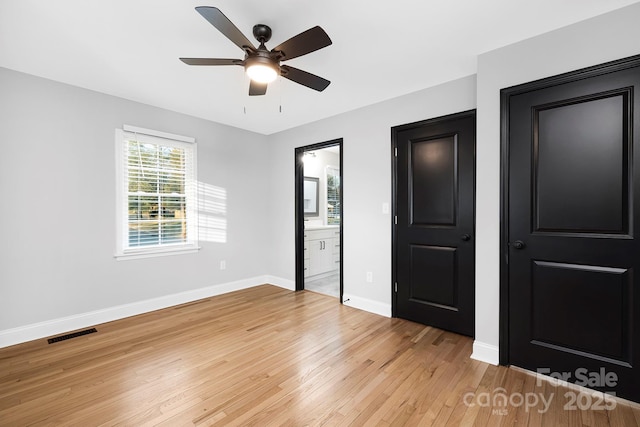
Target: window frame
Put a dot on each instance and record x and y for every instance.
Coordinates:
(327, 170)
(123, 251)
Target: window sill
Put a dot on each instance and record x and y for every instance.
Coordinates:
(153, 253)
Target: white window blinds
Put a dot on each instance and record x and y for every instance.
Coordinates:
(156, 192)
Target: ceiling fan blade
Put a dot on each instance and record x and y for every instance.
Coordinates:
(225, 26)
(256, 88)
(211, 61)
(311, 40)
(302, 77)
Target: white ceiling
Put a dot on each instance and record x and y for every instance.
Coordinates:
(381, 49)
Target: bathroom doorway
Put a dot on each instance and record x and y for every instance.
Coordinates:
(319, 213)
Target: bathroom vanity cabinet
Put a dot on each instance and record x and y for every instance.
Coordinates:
(321, 250)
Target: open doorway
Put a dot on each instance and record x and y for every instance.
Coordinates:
(319, 213)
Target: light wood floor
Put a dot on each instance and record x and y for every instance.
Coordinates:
(268, 356)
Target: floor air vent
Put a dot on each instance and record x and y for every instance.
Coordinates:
(72, 335)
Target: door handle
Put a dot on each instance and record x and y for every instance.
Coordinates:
(466, 237)
(518, 244)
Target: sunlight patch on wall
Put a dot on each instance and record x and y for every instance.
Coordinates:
(212, 213)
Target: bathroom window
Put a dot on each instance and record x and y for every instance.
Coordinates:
(333, 196)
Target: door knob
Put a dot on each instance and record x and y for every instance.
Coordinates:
(466, 237)
(518, 244)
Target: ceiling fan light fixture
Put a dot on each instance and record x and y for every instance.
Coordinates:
(262, 73)
(261, 64)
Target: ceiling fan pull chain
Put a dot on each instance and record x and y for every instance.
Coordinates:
(280, 92)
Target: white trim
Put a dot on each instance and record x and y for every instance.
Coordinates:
(191, 193)
(119, 168)
(157, 133)
(34, 331)
(149, 253)
(366, 304)
(280, 282)
(485, 353)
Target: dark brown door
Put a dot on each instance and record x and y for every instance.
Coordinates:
(434, 235)
(573, 211)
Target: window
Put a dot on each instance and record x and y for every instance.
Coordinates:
(333, 195)
(156, 192)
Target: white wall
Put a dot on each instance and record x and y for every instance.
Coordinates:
(605, 38)
(56, 179)
(366, 185)
(57, 222)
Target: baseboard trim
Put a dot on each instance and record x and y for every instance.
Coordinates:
(486, 353)
(40, 330)
(366, 304)
(279, 281)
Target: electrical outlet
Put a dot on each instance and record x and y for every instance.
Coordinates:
(385, 208)
(369, 277)
(223, 265)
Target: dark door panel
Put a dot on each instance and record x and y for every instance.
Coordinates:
(586, 327)
(433, 278)
(572, 203)
(434, 246)
(432, 179)
(580, 180)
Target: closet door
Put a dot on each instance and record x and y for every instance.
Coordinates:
(435, 245)
(573, 216)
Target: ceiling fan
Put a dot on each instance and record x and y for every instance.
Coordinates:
(263, 65)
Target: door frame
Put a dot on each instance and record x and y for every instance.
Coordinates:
(299, 210)
(505, 97)
(394, 190)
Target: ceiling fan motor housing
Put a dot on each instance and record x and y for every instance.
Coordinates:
(262, 33)
(261, 57)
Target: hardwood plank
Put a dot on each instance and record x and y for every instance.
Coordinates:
(268, 356)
